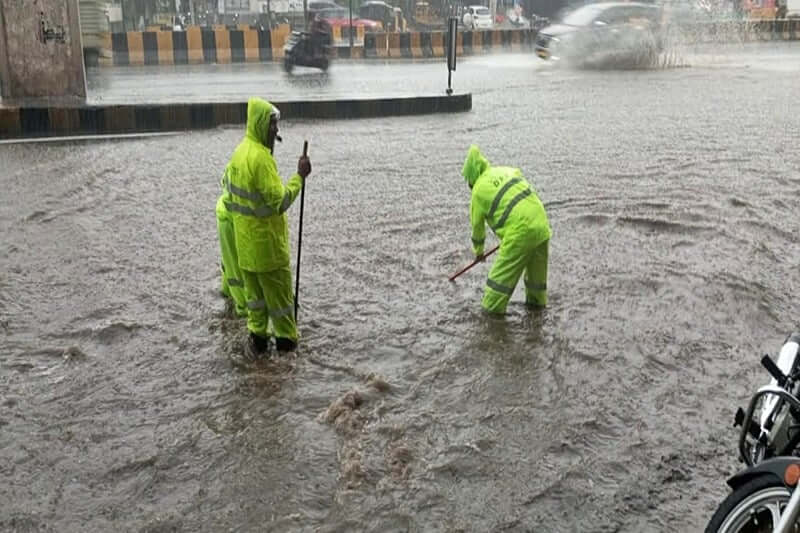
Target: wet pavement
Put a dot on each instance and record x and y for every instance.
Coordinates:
(673, 268)
(361, 79)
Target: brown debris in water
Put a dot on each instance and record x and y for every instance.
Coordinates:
(351, 471)
(399, 459)
(343, 413)
(378, 383)
(73, 353)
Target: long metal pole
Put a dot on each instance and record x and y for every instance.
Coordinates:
(300, 239)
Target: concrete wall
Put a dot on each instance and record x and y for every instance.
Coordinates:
(40, 50)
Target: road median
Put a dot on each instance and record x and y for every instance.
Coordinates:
(65, 120)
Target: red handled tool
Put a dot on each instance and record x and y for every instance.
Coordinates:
(487, 254)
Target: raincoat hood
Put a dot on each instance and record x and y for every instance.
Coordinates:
(475, 165)
(259, 112)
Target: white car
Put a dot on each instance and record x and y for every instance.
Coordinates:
(477, 18)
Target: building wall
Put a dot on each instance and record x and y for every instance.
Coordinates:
(33, 65)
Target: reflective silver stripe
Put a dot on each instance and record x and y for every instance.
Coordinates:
(256, 305)
(242, 193)
(287, 201)
(499, 196)
(499, 288)
(263, 211)
(514, 201)
(277, 313)
(233, 282)
(478, 242)
(536, 286)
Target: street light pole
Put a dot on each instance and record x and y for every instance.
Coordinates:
(351, 28)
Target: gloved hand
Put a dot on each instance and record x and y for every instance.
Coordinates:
(304, 166)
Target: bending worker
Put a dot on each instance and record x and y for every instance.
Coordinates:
(506, 202)
(257, 201)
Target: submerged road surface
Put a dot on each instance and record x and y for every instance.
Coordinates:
(371, 78)
(674, 266)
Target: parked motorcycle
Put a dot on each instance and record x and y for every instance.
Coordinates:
(306, 49)
(763, 497)
(776, 432)
(763, 500)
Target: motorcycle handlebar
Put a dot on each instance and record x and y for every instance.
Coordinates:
(773, 369)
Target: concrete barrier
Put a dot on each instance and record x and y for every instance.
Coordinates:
(382, 44)
(345, 52)
(370, 46)
(196, 45)
(33, 122)
(438, 43)
(394, 48)
(405, 45)
(201, 45)
(341, 34)
(245, 44)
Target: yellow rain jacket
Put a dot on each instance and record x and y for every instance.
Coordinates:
(256, 197)
(506, 202)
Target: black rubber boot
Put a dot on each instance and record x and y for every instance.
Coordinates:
(256, 347)
(285, 345)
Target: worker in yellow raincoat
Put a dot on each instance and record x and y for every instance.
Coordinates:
(503, 200)
(257, 201)
(232, 283)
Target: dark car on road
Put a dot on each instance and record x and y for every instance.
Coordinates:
(615, 33)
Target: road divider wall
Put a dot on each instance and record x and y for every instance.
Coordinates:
(198, 45)
(195, 45)
(31, 122)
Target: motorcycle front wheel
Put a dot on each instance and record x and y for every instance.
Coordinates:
(753, 507)
(288, 64)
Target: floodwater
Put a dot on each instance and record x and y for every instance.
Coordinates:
(673, 268)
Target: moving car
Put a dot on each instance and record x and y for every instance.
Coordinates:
(604, 34)
(318, 5)
(477, 18)
(391, 17)
(340, 16)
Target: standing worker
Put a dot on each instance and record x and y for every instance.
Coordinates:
(257, 201)
(232, 283)
(506, 202)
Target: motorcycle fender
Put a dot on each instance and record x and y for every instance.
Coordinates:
(775, 467)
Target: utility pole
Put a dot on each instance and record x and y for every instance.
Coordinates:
(351, 28)
(122, 14)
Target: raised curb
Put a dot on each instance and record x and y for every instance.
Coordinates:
(47, 121)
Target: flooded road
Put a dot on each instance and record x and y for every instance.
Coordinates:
(673, 268)
(371, 78)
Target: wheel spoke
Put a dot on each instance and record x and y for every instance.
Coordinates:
(775, 511)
